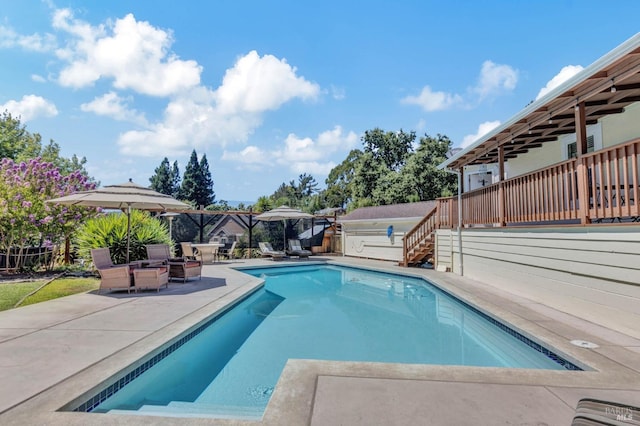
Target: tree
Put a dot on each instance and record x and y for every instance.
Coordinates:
(339, 190)
(367, 173)
(197, 185)
(263, 204)
(390, 148)
(16, 142)
(422, 178)
(307, 185)
(25, 218)
(51, 153)
(205, 192)
(165, 180)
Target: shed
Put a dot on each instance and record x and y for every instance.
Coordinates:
(377, 232)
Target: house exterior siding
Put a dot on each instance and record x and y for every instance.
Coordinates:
(597, 267)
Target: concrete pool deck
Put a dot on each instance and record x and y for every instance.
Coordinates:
(52, 353)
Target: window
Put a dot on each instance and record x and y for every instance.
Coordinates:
(572, 148)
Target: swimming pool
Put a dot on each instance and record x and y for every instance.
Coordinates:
(230, 365)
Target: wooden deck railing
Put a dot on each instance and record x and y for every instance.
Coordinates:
(608, 179)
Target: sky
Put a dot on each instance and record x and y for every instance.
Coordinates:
(269, 90)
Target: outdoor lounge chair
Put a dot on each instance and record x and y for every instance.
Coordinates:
(112, 277)
(268, 251)
(179, 267)
(295, 249)
(228, 252)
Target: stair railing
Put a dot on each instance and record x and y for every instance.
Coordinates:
(418, 234)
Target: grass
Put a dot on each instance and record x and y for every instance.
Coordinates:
(11, 293)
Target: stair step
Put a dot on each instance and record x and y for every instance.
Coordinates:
(195, 409)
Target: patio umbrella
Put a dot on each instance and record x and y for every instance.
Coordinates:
(125, 196)
(283, 213)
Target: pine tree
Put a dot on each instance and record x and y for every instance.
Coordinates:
(165, 180)
(206, 195)
(190, 180)
(197, 184)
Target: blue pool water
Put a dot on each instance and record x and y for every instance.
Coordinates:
(231, 367)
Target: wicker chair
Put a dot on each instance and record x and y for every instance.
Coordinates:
(179, 268)
(112, 277)
(151, 278)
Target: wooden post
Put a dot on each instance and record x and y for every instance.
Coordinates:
(250, 231)
(501, 196)
(581, 167)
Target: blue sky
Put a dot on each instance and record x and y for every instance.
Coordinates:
(272, 89)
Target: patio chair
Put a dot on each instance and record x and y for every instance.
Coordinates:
(158, 254)
(295, 249)
(151, 278)
(268, 251)
(179, 267)
(187, 250)
(112, 277)
(227, 253)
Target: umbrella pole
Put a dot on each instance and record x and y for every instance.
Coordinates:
(128, 230)
(284, 235)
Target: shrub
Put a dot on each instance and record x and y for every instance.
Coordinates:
(110, 231)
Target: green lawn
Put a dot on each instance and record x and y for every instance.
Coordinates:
(11, 293)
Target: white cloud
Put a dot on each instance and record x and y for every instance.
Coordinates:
(300, 155)
(257, 84)
(201, 117)
(251, 155)
(433, 101)
(133, 53)
(338, 93)
(30, 107)
(34, 42)
(565, 74)
(38, 78)
(494, 79)
(135, 56)
(483, 129)
(114, 106)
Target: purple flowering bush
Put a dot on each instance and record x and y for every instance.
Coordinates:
(25, 219)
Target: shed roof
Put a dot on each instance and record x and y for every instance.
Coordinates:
(391, 211)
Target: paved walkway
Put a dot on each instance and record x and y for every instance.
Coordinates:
(52, 352)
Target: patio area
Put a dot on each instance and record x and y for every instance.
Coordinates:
(53, 352)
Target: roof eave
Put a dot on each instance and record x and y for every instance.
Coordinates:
(608, 59)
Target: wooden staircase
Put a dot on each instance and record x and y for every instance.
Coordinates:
(419, 243)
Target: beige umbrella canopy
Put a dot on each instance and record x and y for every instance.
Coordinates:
(283, 213)
(125, 196)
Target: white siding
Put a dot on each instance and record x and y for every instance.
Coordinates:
(537, 158)
(596, 269)
(618, 128)
(369, 238)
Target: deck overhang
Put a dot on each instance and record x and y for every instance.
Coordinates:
(605, 87)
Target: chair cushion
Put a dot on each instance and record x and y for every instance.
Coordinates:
(192, 264)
